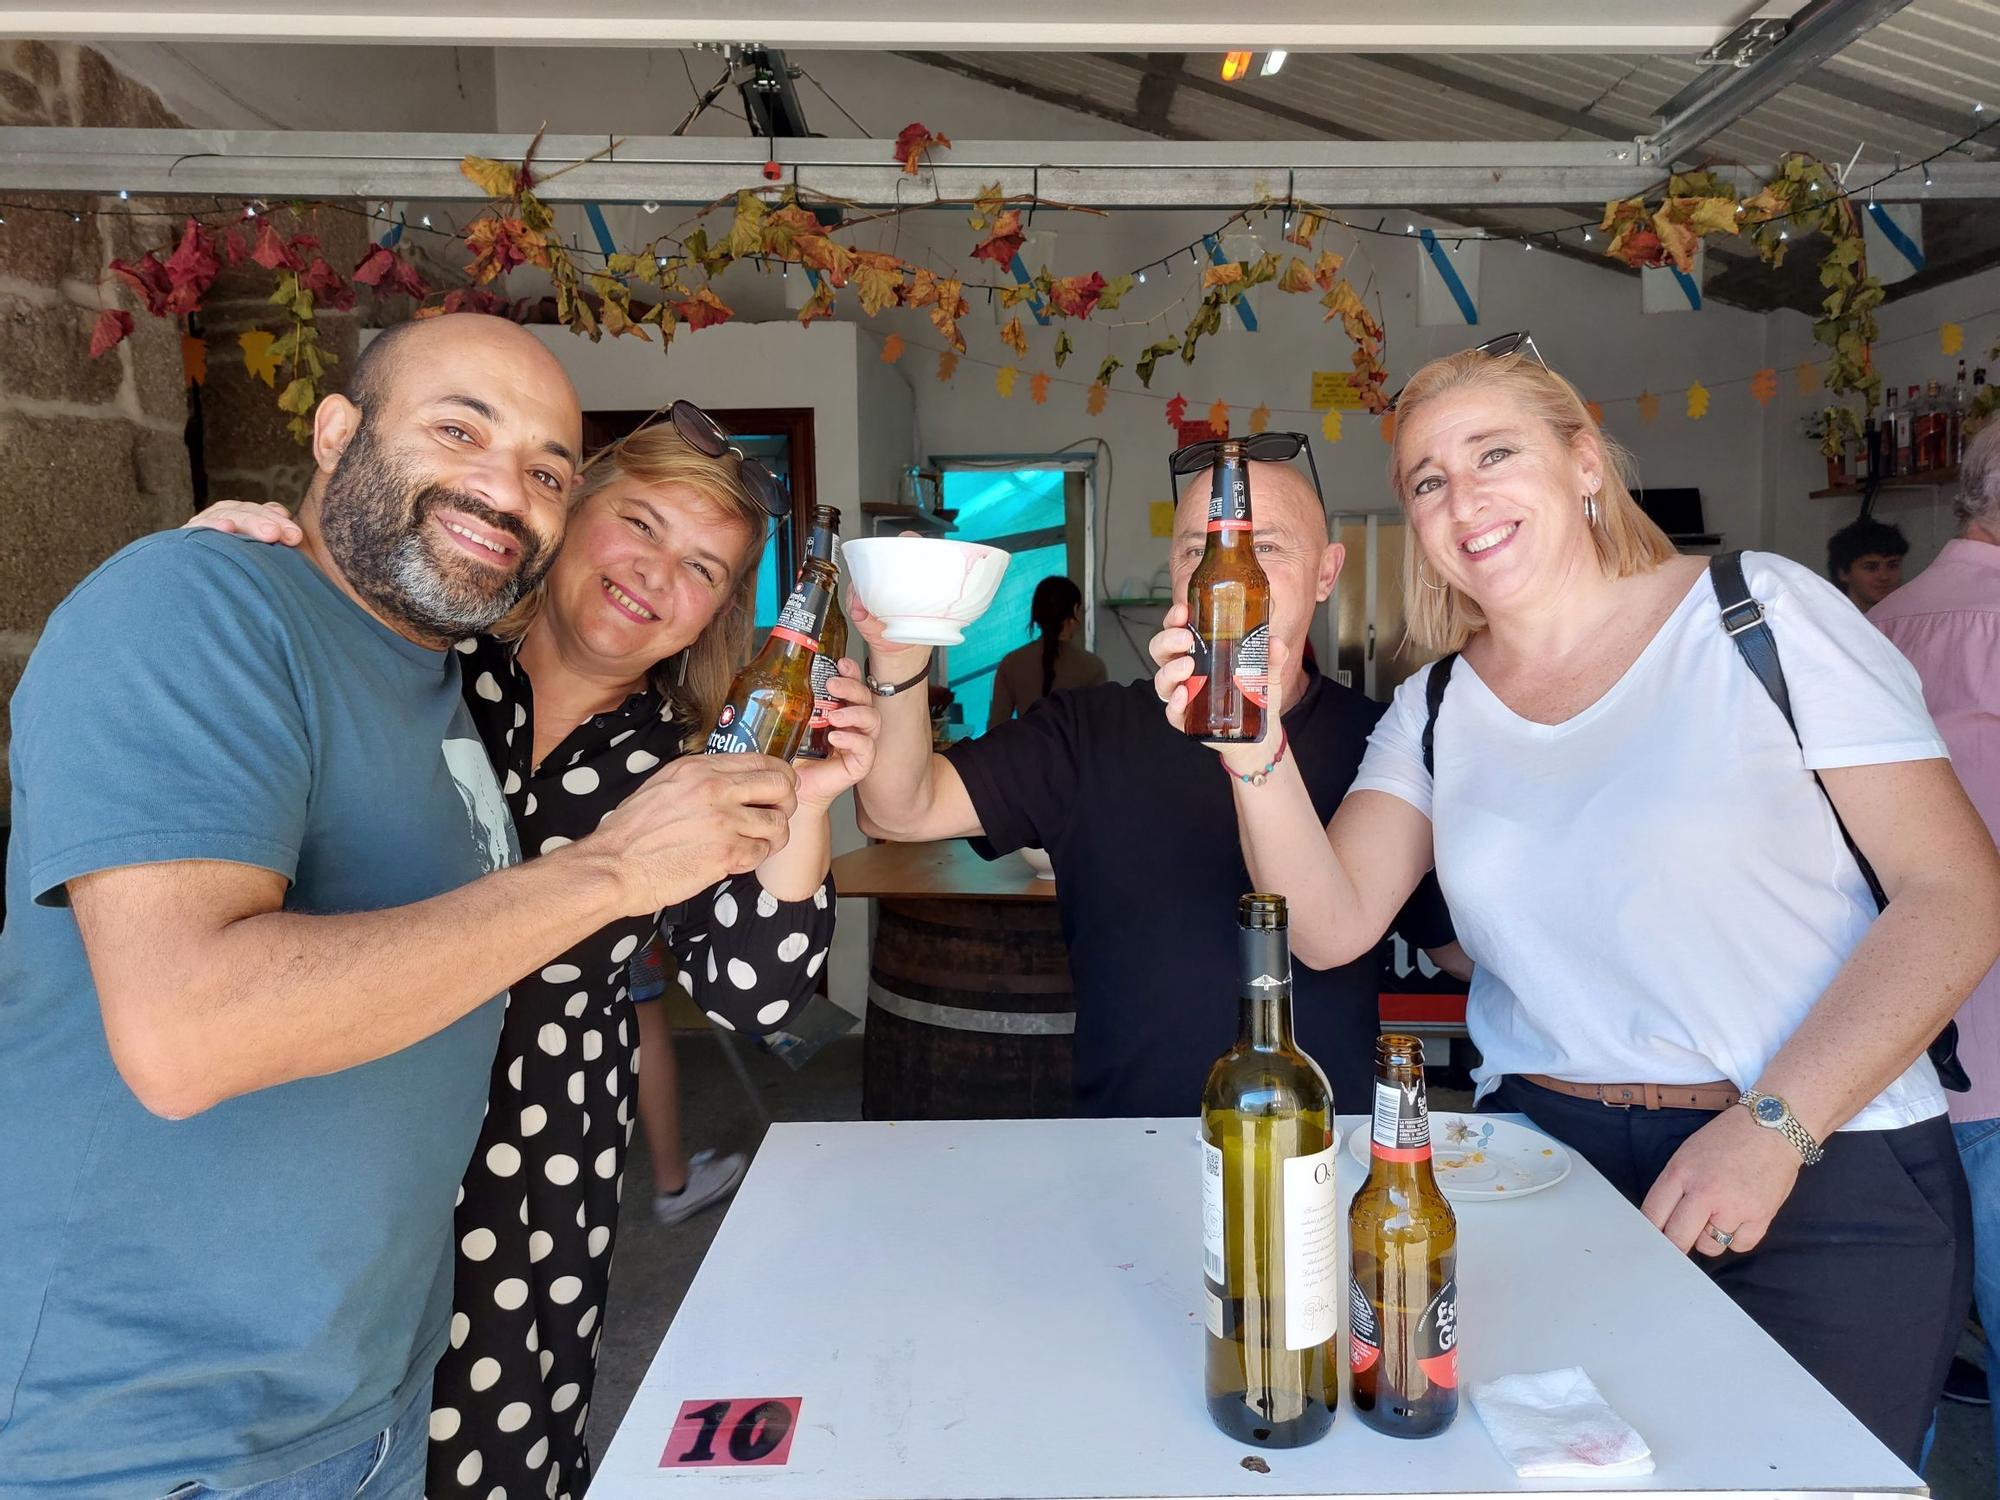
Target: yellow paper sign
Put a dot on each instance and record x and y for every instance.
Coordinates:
(1951, 338)
(1160, 517)
(1335, 390)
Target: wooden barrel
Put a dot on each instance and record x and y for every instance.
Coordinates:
(970, 1012)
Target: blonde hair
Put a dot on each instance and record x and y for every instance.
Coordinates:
(694, 682)
(1628, 540)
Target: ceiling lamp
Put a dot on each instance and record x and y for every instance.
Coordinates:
(1235, 65)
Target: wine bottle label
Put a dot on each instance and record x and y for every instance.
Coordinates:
(1402, 1128)
(1364, 1334)
(733, 733)
(1312, 1279)
(1211, 1214)
(1229, 501)
(1215, 1323)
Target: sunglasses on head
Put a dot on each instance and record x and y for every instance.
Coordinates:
(1259, 447)
(1496, 348)
(706, 436)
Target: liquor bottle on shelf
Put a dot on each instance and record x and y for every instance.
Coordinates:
(824, 544)
(1955, 438)
(1891, 426)
(1933, 422)
(1403, 1242)
(1270, 1228)
(1229, 613)
(1863, 468)
(770, 703)
(1906, 434)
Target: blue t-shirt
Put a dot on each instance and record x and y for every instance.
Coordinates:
(230, 1297)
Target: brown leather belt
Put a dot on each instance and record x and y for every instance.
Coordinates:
(1711, 1096)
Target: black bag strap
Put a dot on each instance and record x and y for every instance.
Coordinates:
(1434, 686)
(1743, 618)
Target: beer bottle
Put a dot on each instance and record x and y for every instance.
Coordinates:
(1403, 1240)
(824, 543)
(1229, 612)
(770, 703)
(1270, 1271)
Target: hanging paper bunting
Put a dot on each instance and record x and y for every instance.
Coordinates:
(947, 365)
(1038, 389)
(892, 348)
(1176, 411)
(1389, 428)
(1807, 375)
(1260, 419)
(194, 359)
(1951, 338)
(256, 346)
(1697, 401)
(1218, 418)
(1892, 235)
(1764, 385)
(1094, 402)
(1330, 428)
(1003, 381)
(1596, 412)
(1447, 282)
(1649, 407)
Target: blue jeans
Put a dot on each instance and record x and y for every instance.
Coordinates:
(387, 1466)
(1979, 1149)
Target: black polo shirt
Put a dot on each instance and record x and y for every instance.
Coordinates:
(1140, 824)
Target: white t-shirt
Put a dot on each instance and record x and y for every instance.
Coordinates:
(1656, 891)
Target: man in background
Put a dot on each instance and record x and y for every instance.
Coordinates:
(1947, 622)
(1866, 560)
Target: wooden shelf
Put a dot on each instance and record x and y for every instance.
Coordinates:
(1928, 479)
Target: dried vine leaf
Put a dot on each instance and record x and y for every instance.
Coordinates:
(1150, 356)
(912, 141)
(1063, 348)
(1004, 242)
(1015, 338)
(1106, 370)
(114, 325)
(746, 230)
(1114, 291)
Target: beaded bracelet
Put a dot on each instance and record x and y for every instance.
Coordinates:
(1258, 778)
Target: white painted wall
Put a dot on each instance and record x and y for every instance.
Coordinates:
(272, 86)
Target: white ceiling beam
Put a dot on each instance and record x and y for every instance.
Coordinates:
(1111, 174)
(1634, 26)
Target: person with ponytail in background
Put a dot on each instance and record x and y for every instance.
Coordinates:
(1055, 663)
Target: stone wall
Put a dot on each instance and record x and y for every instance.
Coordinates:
(93, 452)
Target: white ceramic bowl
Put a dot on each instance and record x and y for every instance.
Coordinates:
(1039, 861)
(926, 590)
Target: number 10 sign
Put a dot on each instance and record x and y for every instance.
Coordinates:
(740, 1432)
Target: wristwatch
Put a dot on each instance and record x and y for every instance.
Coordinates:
(890, 689)
(1773, 1113)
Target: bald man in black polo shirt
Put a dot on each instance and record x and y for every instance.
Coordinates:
(1140, 825)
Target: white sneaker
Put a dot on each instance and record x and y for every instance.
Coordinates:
(711, 1178)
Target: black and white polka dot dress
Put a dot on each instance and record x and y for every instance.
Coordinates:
(539, 1205)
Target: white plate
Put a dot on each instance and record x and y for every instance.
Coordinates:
(1481, 1157)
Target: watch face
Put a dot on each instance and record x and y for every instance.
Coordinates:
(1770, 1111)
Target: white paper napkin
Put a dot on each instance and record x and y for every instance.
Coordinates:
(1555, 1425)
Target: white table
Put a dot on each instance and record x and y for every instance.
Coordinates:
(1009, 1310)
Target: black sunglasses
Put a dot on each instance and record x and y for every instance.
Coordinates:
(1259, 447)
(704, 434)
(1495, 348)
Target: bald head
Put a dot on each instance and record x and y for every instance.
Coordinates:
(1291, 542)
(450, 339)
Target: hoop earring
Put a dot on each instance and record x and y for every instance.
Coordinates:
(1442, 588)
(1590, 508)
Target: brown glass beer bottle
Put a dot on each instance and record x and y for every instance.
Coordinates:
(1229, 612)
(824, 544)
(770, 703)
(1403, 1243)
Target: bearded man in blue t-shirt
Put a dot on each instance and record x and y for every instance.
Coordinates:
(264, 900)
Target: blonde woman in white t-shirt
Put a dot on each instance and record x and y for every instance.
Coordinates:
(1655, 891)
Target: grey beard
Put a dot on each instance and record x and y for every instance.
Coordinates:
(428, 599)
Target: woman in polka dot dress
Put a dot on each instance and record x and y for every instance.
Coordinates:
(658, 566)
(617, 667)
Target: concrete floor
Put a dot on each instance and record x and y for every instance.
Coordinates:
(654, 1265)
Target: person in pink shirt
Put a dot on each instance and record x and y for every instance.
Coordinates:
(1947, 622)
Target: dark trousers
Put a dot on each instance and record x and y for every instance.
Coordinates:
(1866, 1273)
